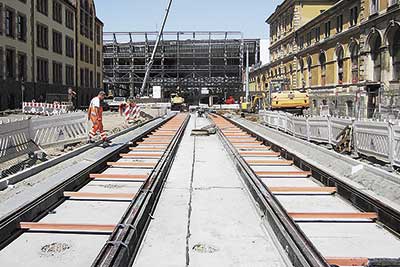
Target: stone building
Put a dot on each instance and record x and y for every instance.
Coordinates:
(345, 53)
(39, 51)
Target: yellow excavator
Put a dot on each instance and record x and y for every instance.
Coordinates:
(177, 102)
(258, 102)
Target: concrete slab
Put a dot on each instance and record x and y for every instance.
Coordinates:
(87, 212)
(52, 250)
(210, 221)
(294, 182)
(111, 187)
(352, 240)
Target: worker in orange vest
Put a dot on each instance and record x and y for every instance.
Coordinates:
(95, 115)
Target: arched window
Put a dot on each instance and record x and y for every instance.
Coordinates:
(394, 49)
(340, 65)
(322, 63)
(375, 44)
(301, 66)
(354, 54)
(309, 64)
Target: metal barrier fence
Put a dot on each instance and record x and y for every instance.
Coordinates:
(44, 108)
(21, 137)
(378, 139)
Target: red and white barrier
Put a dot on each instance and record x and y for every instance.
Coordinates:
(44, 108)
(132, 113)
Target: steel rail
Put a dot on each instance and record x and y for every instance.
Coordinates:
(387, 215)
(299, 248)
(9, 225)
(124, 243)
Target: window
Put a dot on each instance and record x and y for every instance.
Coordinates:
(91, 79)
(69, 19)
(317, 34)
(69, 75)
(98, 80)
(42, 70)
(10, 64)
(91, 56)
(309, 38)
(301, 42)
(87, 77)
(98, 58)
(43, 6)
(22, 67)
(57, 73)
(354, 16)
(309, 67)
(1, 63)
(57, 11)
(82, 76)
(322, 62)
(42, 36)
(339, 23)
(98, 34)
(1, 18)
(82, 55)
(354, 62)
(86, 20)
(374, 6)
(340, 63)
(327, 29)
(57, 42)
(69, 47)
(86, 54)
(21, 27)
(10, 15)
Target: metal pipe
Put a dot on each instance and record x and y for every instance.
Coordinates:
(247, 73)
(160, 33)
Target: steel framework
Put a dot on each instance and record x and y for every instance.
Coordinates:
(184, 62)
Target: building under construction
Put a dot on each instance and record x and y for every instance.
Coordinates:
(187, 63)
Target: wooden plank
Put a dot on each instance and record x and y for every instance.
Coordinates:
(270, 162)
(256, 146)
(245, 142)
(132, 164)
(154, 143)
(99, 195)
(284, 189)
(66, 227)
(283, 173)
(347, 261)
(333, 215)
(147, 149)
(140, 177)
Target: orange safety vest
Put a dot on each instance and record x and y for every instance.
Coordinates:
(95, 112)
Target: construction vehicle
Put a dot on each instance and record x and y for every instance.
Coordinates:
(282, 98)
(177, 102)
(258, 102)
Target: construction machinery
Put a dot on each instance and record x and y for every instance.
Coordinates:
(282, 98)
(177, 102)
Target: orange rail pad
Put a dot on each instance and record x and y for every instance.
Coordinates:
(334, 215)
(140, 155)
(66, 227)
(119, 176)
(132, 164)
(287, 173)
(303, 189)
(99, 195)
(347, 261)
(251, 153)
(270, 162)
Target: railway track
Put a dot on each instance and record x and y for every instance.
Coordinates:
(103, 219)
(319, 220)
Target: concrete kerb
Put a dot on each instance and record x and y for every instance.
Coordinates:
(18, 177)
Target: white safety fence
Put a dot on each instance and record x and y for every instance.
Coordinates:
(20, 137)
(378, 139)
(44, 108)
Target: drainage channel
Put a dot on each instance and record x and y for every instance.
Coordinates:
(313, 221)
(84, 227)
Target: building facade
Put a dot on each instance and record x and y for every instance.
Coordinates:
(39, 42)
(344, 53)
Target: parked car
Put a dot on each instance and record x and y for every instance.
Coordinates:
(116, 102)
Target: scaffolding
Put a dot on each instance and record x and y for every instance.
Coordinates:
(185, 62)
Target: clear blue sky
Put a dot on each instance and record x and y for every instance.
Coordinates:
(247, 16)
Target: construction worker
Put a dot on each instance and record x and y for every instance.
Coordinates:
(95, 115)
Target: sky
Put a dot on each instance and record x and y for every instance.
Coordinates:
(247, 16)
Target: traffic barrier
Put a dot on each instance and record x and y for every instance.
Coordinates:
(377, 139)
(20, 137)
(396, 145)
(319, 130)
(44, 108)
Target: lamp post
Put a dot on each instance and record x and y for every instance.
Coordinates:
(22, 92)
